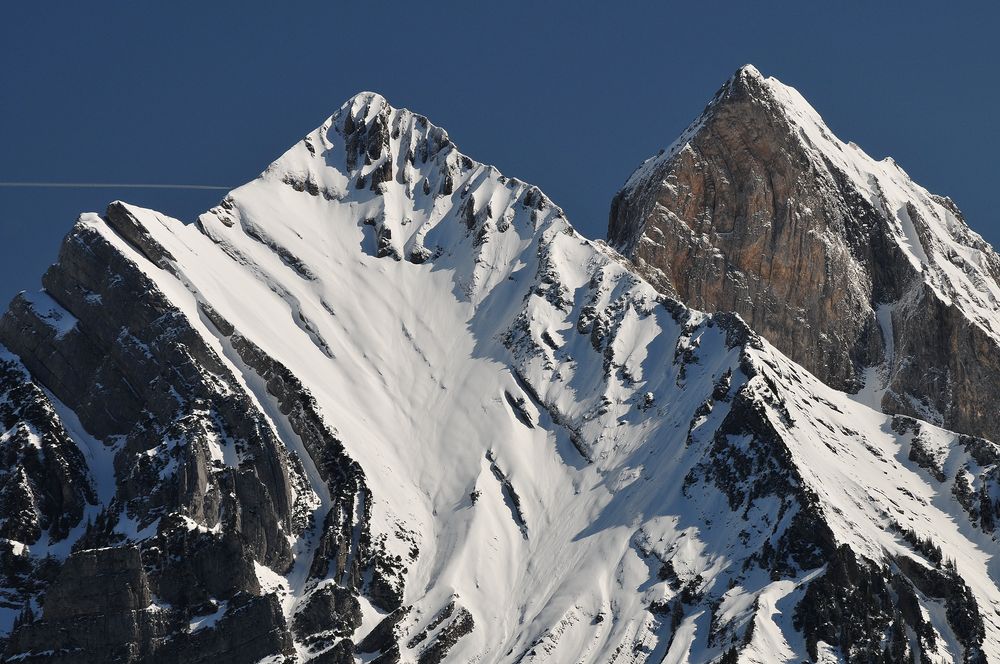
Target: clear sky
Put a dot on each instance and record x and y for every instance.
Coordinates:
(570, 96)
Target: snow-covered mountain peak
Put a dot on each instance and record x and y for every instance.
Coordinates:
(363, 135)
(748, 71)
(745, 79)
(404, 183)
(363, 106)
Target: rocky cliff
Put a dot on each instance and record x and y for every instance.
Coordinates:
(838, 259)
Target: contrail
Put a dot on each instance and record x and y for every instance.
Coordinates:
(106, 185)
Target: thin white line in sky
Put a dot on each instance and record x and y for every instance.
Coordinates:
(106, 185)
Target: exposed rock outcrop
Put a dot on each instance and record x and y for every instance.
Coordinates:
(839, 260)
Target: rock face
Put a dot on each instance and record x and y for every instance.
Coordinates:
(48, 486)
(385, 404)
(189, 485)
(839, 260)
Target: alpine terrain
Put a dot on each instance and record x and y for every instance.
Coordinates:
(384, 404)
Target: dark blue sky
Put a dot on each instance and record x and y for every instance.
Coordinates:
(568, 95)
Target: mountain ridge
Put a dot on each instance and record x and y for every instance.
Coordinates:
(414, 416)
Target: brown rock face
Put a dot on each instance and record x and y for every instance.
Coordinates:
(737, 219)
(758, 209)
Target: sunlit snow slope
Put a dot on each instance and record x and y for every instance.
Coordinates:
(546, 460)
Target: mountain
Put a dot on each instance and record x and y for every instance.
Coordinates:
(385, 404)
(843, 262)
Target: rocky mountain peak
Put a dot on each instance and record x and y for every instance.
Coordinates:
(745, 81)
(758, 208)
